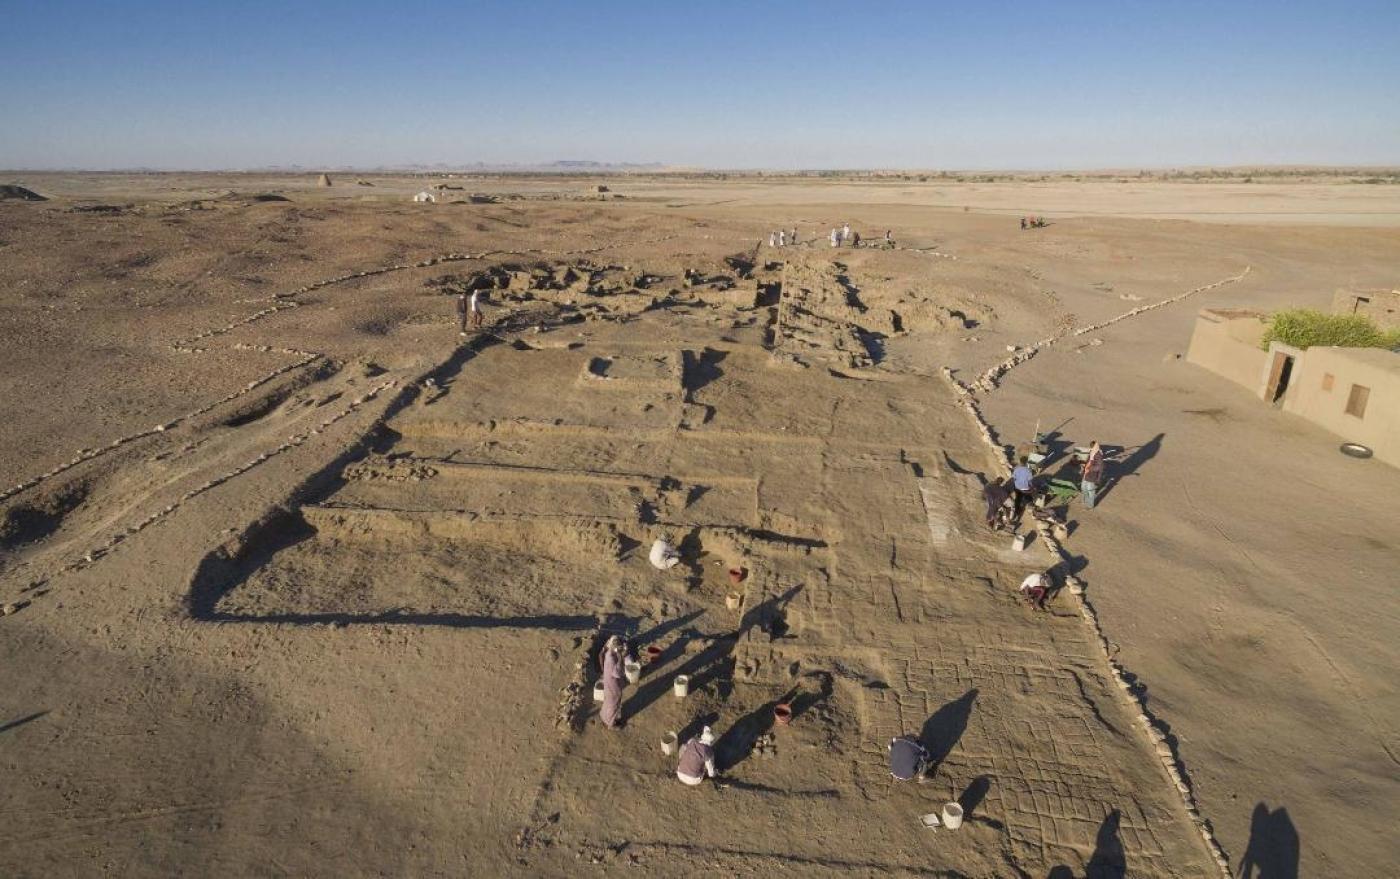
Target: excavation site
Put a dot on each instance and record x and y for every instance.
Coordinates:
(571, 528)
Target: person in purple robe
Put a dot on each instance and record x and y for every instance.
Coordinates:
(697, 759)
(614, 660)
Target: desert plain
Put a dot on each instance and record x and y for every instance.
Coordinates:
(301, 581)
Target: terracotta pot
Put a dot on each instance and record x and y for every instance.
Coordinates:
(736, 575)
(782, 713)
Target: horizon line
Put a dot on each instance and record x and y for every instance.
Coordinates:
(567, 167)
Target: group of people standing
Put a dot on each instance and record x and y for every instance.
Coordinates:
(842, 235)
(782, 238)
(697, 755)
(838, 237)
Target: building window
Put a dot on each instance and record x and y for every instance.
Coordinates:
(1327, 380)
(1356, 401)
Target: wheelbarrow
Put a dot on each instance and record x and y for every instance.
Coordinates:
(1061, 491)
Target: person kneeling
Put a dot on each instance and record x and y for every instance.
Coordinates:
(1035, 588)
(697, 759)
(908, 759)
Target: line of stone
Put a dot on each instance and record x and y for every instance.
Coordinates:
(91, 557)
(1171, 762)
(284, 301)
(85, 455)
(936, 253)
(987, 381)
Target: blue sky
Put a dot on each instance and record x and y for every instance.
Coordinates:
(733, 85)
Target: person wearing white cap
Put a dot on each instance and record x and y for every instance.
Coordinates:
(697, 761)
(614, 678)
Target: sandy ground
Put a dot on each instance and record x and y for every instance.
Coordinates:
(305, 583)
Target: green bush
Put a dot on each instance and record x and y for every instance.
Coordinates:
(1304, 328)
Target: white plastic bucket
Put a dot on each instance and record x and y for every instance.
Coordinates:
(681, 686)
(633, 670)
(598, 692)
(952, 816)
(668, 743)
(733, 600)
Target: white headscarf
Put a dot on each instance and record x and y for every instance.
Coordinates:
(707, 736)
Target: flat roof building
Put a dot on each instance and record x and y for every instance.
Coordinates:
(1353, 392)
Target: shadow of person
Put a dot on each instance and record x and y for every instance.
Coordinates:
(664, 628)
(960, 470)
(1108, 861)
(700, 369)
(1117, 470)
(737, 742)
(945, 727)
(805, 697)
(1056, 448)
(696, 726)
(14, 724)
(1272, 850)
(769, 616)
(971, 798)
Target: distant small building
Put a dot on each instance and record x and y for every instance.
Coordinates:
(323, 180)
(1379, 304)
(1353, 392)
(425, 197)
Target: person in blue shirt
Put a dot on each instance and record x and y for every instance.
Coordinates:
(1023, 485)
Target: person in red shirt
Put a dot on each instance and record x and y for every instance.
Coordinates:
(614, 679)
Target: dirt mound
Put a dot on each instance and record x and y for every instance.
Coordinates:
(10, 192)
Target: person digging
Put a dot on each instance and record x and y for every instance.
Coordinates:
(1035, 589)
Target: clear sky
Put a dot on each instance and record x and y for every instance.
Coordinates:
(778, 84)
